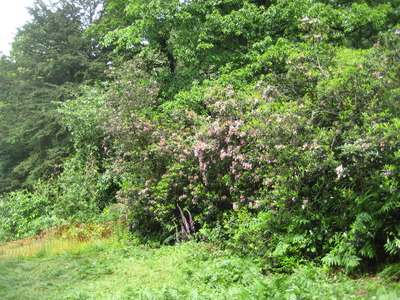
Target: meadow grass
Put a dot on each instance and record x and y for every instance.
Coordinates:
(26, 249)
(109, 269)
(62, 238)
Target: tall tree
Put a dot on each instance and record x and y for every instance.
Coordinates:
(51, 55)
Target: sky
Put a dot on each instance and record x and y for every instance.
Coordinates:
(13, 14)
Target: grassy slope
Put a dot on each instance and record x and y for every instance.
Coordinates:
(186, 271)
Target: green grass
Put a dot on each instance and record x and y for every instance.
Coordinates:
(108, 270)
(62, 238)
(34, 247)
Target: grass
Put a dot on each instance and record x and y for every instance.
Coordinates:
(107, 269)
(34, 247)
(62, 238)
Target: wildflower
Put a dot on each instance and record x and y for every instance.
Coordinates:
(191, 222)
(387, 172)
(185, 227)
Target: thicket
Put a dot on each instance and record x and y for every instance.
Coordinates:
(268, 126)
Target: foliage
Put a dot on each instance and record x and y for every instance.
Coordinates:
(23, 214)
(56, 44)
(51, 55)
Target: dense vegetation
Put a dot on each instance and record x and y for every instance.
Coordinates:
(269, 127)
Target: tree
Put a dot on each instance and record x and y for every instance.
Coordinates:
(50, 57)
(56, 44)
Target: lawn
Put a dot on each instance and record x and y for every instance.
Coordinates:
(107, 269)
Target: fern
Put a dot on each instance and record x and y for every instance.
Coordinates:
(343, 253)
(280, 249)
(363, 222)
(368, 249)
(346, 260)
(392, 246)
(390, 204)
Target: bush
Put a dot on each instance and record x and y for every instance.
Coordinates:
(24, 214)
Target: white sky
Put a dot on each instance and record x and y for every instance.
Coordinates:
(13, 14)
